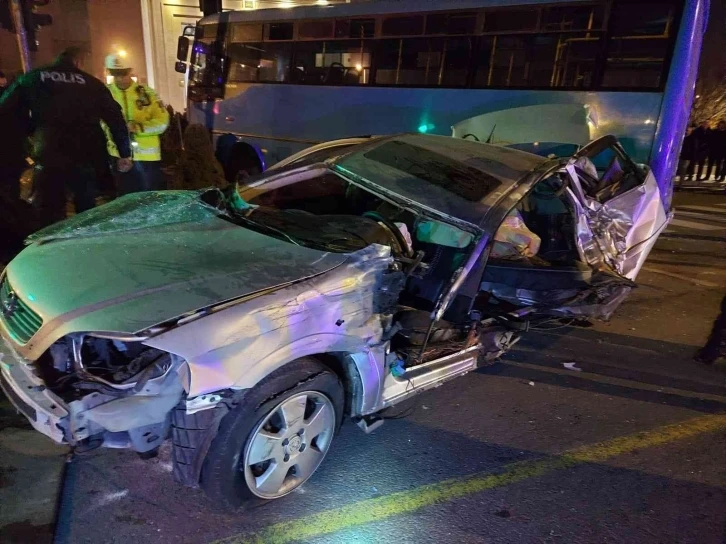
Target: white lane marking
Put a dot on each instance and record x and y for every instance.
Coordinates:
(689, 279)
(693, 225)
(697, 215)
(703, 208)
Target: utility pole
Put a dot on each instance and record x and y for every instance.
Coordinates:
(20, 33)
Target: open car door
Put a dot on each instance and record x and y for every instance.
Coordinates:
(622, 209)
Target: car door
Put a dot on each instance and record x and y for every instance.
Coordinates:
(621, 212)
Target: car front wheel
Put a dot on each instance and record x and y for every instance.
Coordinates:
(276, 438)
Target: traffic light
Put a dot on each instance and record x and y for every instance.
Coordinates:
(33, 21)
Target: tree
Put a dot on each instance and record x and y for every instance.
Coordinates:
(709, 104)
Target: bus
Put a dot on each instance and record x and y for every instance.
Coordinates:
(532, 74)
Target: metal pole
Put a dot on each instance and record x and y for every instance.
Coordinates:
(20, 34)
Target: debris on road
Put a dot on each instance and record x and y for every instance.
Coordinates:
(571, 366)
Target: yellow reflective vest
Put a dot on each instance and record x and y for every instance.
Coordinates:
(142, 106)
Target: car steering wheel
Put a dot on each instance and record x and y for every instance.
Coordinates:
(397, 234)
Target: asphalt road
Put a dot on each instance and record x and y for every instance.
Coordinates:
(626, 445)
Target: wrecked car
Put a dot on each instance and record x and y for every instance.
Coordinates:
(245, 324)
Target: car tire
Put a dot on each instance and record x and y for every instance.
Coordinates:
(258, 425)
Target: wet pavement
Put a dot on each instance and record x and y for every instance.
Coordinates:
(602, 434)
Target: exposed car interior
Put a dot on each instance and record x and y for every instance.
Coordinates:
(534, 250)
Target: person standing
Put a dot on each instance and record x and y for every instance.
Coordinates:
(146, 119)
(63, 106)
(702, 141)
(685, 168)
(718, 151)
(716, 345)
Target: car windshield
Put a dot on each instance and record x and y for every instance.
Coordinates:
(324, 212)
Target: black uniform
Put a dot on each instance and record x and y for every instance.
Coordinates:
(65, 106)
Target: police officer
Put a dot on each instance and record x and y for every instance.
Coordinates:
(146, 119)
(63, 106)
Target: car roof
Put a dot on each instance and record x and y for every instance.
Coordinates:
(460, 179)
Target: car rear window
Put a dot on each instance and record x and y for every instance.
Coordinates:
(464, 181)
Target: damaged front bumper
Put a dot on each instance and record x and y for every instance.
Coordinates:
(45, 411)
(136, 421)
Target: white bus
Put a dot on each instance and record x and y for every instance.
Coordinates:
(531, 73)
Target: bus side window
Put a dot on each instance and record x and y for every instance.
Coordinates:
(424, 61)
(637, 51)
(332, 62)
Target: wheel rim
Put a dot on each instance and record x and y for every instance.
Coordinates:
(289, 444)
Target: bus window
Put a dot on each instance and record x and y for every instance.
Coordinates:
(538, 61)
(451, 23)
(637, 51)
(502, 61)
(508, 20)
(423, 61)
(246, 33)
(573, 18)
(314, 30)
(403, 26)
(355, 28)
(278, 31)
(335, 62)
(252, 62)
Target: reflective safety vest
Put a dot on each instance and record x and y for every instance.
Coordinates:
(142, 106)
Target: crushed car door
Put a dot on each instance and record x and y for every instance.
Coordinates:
(622, 212)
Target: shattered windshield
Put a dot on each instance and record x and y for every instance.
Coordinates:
(324, 212)
(137, 211)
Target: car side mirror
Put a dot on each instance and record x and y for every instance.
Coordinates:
(180, 67)
(182, 48)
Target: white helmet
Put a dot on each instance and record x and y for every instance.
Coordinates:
(117, 62)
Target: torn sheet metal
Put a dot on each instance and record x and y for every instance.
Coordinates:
(342, 311)
(621, 232)
(628, 226)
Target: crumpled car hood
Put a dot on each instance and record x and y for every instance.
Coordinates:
(126, 280)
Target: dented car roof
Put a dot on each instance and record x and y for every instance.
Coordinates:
(459, 178)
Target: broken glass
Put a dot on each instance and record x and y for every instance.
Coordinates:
(137, 211)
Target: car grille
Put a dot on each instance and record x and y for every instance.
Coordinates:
(21, 322)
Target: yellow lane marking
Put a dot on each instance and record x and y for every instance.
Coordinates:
(622, 382)
(380, 508)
